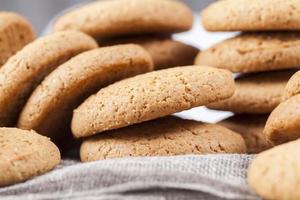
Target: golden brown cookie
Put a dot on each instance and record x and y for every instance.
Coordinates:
(165, 51)
(275, 173)
(167, 136)
(15, 33)
(252, 15)
(26, 69)
(283, 123)
(149, 96)
(257, 93)
(292, 87)
(250, 127)
(254, 52)
(49, 109)
(25, 154)
(104, 19)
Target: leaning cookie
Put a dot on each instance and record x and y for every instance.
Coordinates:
(165, 51)
(104, 19)
(49, 109)
(254, 52)
(293, 87)
(250, 127)
(26, 69)
(167, 136)
(25, 154)
(256, 93)
(15, 33)
(149, 96)
(252, 15)
(283, 123)
(274, 174)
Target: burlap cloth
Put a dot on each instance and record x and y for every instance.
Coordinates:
(180, 177)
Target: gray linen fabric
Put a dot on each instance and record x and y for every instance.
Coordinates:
(219, 176)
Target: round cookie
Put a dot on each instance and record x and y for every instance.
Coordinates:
(49, 109)
(15, 33)
(274, 174)
(292, 87)
(149, 96)
(250, 127)
(26, 69)
(252, 15)
(105, 19)
(283, 123)
(167, 136)
(165, 51)
(256, 93)
(254, 52)
(25, 154)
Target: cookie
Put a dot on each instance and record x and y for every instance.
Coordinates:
(283, 123)
(274, 174)
(257, 93)
(292, 87)
(252, 15)
(104, 19)
(49, 109)
(25, 154)
(250, 127)
(254, 52)
(15, 33)
(165, 51)
(167, 136)
(149, 96)
(26, 69)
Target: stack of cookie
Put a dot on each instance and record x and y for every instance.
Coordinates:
(42, 81)
(23, 154)
(265, 60)
(147, 23)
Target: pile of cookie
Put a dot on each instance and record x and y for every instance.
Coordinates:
(266, 55)
(117, 98)
(112, 80)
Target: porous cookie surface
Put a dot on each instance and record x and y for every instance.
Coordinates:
(49, 109)
(292, 87)
(252, 15)
(283, 123)
(250, 127)
(25, 154)
(275, 173)
(26, 69)
(124, 17)
(254, 52)
(162, 137)
(149, 96)
(256, 93)
(15, 33)
(165, 52)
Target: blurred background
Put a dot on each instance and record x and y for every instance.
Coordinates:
(40, 12)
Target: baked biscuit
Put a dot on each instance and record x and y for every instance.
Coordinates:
(149, 96)
(25, 154)
(104, 19)
(254, 52)
(256, 93)
(275, 173)
(165, 51)
(292, 87)
(283, 123)
(26, 69)
(15, 33)
(49, 109)
(167, 136)
(250, 127)
(252, 15)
